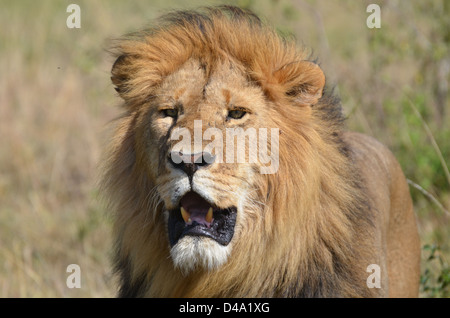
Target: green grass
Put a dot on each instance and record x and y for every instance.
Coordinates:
(56, 101)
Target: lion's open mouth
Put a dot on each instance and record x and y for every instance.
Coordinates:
(197, 217)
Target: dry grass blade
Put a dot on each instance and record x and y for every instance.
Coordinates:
(432, 139)
(429, 196)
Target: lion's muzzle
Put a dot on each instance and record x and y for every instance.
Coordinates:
(190, 163)
(197, 217)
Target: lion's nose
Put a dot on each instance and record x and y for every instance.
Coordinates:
(190, 163)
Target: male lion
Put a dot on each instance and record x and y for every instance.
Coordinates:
(192, 223)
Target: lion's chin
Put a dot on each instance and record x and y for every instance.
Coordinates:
(200, 233)
(198, 252)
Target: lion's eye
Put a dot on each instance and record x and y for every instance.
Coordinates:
(236, 113)
(170, 112)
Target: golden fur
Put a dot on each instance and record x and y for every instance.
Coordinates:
(338, 203)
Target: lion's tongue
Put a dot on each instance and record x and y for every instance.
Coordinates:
(195, 208)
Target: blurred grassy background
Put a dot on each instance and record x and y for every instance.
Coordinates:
(56, 101)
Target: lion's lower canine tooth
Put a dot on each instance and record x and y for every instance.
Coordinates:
(185, 215)
(209, 215)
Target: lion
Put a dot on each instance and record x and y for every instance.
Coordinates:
(191, 223)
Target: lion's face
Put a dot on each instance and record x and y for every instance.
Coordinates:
(204, 175)
(202, 143)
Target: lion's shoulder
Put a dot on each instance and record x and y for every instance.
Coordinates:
(367, 151)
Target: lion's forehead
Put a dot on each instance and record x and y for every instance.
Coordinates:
(198, 91)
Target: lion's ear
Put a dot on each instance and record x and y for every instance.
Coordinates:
(302, 81)
(119, 74)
